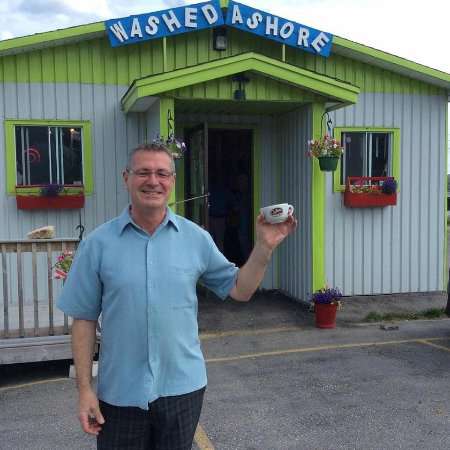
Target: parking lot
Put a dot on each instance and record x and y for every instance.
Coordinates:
(275, 382)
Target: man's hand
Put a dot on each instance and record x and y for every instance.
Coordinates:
(268, 237)
(271, 235)
(90, 416)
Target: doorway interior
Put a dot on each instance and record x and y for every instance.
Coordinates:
(219, 162)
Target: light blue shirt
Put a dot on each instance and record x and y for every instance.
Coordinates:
(145, 288)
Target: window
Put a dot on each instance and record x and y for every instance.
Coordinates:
(53, 152)
(368, 152)
(48, 155)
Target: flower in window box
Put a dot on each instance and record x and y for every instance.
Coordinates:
(389, 186)
(50, 196)
(370, 192)
(52, 190)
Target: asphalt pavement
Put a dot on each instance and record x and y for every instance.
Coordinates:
(276, 383)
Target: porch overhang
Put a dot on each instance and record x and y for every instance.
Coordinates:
(142, 90)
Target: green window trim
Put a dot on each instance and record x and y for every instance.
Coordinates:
(10, 147)
(395, 170)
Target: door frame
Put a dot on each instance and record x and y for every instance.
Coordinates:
(255, 163)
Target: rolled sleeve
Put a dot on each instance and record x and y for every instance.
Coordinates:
(81, 296)
(220, 274)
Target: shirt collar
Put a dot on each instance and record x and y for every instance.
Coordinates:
(125, 219)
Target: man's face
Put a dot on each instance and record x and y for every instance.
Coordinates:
(148, 189)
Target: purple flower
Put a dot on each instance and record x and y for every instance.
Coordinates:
(52, 190)
(389, 186)
(326, 295)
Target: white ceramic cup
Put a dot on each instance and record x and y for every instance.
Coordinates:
(277, 213)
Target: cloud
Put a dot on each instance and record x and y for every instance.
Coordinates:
(412, 29)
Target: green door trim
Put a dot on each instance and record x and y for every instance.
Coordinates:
(305, 79)
(318, 208)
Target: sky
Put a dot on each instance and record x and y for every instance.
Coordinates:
(414, 29)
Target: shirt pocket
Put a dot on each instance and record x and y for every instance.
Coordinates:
(181, 284)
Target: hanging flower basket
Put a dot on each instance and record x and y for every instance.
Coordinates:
(327, 150)
(49, 197)
(370, 192)
(328, 163)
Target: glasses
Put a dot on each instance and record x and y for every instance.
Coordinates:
(160, 174)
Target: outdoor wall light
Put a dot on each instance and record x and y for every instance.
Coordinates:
(220, 39)
(239, 94)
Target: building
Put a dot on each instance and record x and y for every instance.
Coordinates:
(246, 90)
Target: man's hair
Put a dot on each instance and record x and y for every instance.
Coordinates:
(157, 148)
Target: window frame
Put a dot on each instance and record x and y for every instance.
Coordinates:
(394, 157)
(10, 146)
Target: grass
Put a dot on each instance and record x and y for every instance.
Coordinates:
(432, 313)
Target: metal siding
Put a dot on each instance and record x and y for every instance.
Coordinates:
(295, 254)
(400, 248)
(269, 187)
(113, 135)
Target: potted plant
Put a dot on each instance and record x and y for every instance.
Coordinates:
(50, 196)
(327, 150)
(370, 192)
(326, 302)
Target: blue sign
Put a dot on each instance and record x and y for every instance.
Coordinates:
(133, 29)
(278, 29)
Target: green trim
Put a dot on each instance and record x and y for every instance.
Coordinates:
(396, 149)
(52, 37)
(257, 176)
(10, 146)
(378, 55)
(224, 3)
(318, 207)
(302, 78)
(444, 169)
(166, 104)
(164, 46)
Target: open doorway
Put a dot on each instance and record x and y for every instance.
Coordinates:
(230, 188)
(219, 161)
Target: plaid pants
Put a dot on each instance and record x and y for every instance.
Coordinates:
(169, 424)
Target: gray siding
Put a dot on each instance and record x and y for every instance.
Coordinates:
(294, 130)
(400, 248)
(113, 134)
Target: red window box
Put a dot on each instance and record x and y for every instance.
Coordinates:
(31, 197)
(366, 192)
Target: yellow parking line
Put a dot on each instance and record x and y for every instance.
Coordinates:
(313, 349)
(202, 440)
(219, 334)
(442, 347)
(32, 383)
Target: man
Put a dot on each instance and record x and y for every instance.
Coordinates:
(140, 271)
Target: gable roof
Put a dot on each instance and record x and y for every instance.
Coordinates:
(156, 84)
(340, 46)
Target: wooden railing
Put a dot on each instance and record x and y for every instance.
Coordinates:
(26, 314)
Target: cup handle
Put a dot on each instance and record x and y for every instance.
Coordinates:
(290, 209)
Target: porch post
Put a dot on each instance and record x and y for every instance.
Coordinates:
(165, 105)
(318, 207)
